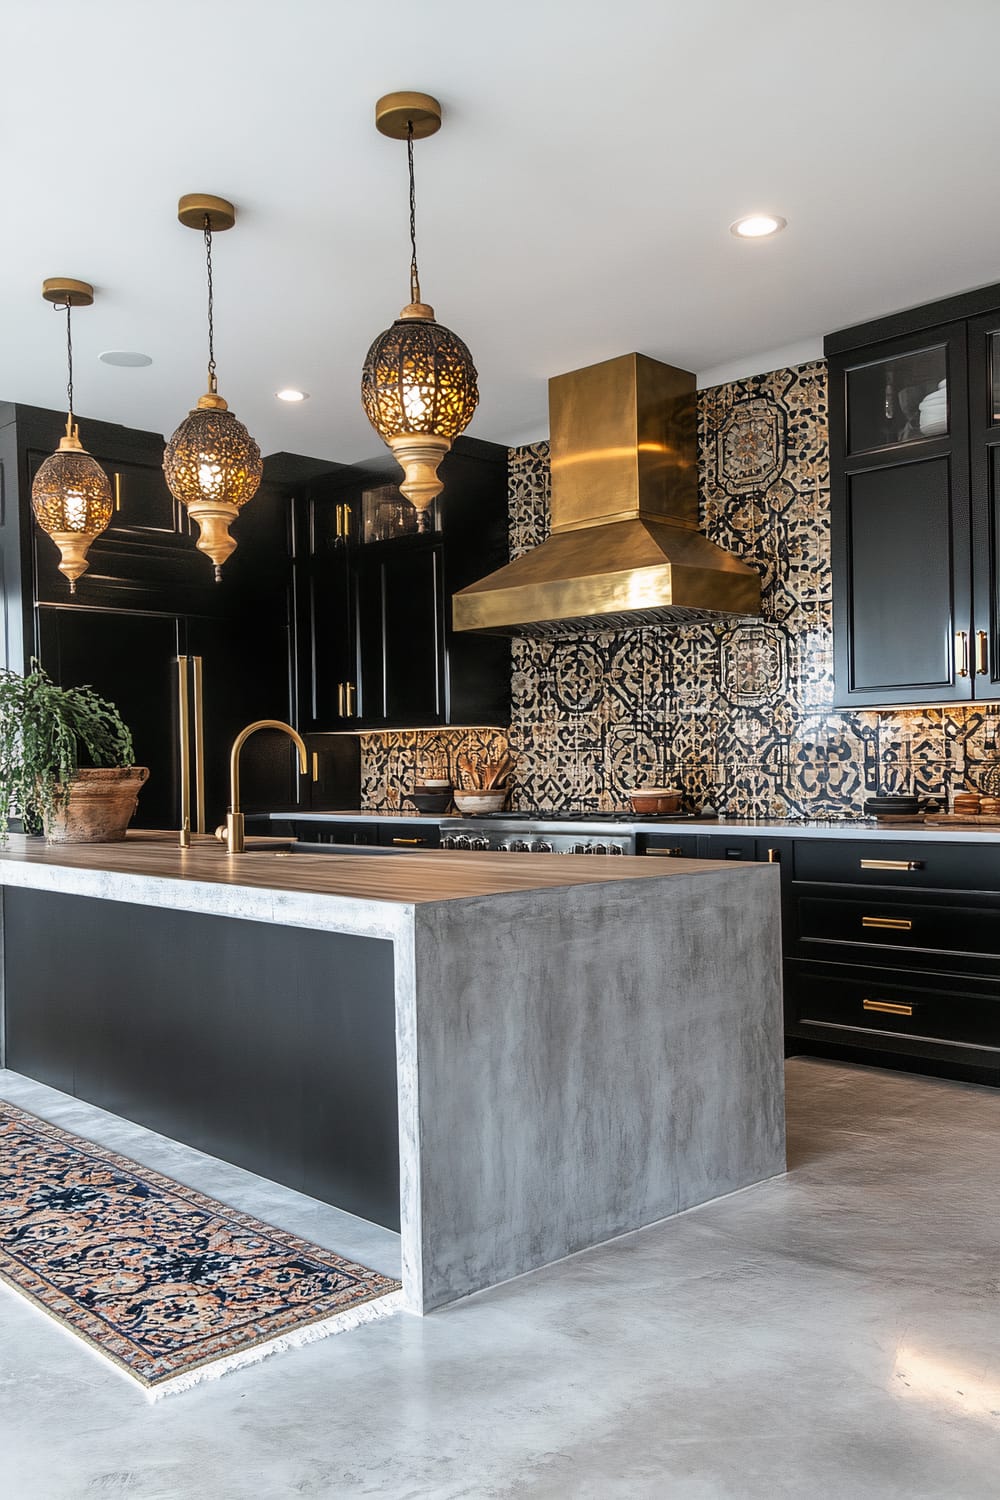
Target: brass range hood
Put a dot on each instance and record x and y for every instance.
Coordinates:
(624, 550)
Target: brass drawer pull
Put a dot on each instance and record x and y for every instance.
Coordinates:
(118, 493)
(895, 924)
(892, 864)
(962, 643)
(409, 841)
(774, 856)
(887, 1007)
(664, 853)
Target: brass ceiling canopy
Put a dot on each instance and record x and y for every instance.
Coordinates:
(71, 494)
(624, 550)
(419, 384)
(212, 464)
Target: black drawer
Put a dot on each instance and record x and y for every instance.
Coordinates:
(884, 1008)
(410, 834)
(668, 845)
(922, 927)
(974, 867)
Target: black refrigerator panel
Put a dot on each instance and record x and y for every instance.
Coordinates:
(130, 659)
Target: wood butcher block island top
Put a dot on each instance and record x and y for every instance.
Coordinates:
(328, 890)
(510, 1057)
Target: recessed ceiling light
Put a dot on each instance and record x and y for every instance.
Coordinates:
(757, 226)
(292, 395)
(129, 359)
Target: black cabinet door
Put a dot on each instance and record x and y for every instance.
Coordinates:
(399, 631)
(326, 648)
(901, 538)
(130, 660)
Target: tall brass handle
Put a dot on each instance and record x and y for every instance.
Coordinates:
(892, 864)
(118, 491)
(894, 924)
(962, 645)
(409, 841)
(315, 765)
(887, 1007)
(982, 653)
(351, 709)
(774, 856)
(199, 744)
(340, 700)
(184, 747)
(664, 853)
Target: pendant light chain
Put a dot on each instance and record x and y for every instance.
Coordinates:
(69, 358)
(212, 382)
(414, 274)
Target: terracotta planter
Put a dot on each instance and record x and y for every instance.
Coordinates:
(100, 806)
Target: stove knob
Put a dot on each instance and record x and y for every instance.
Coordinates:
(579, 848)
(615, 849)
(460, 841)
(541, 846)
(481, 841)
(520, 846)
(598, 849)
(445, 841)
(504, 846)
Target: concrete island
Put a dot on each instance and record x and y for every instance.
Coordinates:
(507, 1060)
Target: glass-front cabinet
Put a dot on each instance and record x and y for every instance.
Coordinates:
(901, 528)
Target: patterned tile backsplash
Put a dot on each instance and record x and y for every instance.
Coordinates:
(741, 717)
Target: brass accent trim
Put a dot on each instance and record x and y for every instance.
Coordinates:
(193, 208)
(982, 653)
(774, 856)
(199, 743)
(409, 841)
(184, 747)
(315, 766)
(962, 647)
(118, 491)
(892, 864)
(892, 924)
(66, 292)
(395, 112)
(887, 1007)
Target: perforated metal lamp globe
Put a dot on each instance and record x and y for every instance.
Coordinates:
(419, 391)
(213, 466)
(71, 499)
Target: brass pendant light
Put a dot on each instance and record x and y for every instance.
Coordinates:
(71, 494)
(212, 463)
(418, 385)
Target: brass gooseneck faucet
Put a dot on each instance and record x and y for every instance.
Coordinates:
(232, 833)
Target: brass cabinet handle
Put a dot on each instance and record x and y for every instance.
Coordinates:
(315, 765)
(118, 491)
(895, 924)
(982, 653)
(887, 1007)
(184, 748)
(664, 853)
(198, 694)
(340, 700)
(347, 521)
(892, 864)
(350, 695)
(409, 841)
(962, 645)
(774, 856)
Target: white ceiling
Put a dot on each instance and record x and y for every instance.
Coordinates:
(575, 205)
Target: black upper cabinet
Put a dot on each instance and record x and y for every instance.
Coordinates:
(376, 648)
(915, 464)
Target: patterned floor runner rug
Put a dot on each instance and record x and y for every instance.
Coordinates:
(170, 1286)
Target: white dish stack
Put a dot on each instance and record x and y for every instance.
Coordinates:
(934, 412)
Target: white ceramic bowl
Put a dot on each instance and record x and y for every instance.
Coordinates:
(479, 802)
(933, 426)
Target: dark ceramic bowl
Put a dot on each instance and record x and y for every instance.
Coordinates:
(430, 802)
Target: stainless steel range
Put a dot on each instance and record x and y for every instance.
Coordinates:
(544, 833)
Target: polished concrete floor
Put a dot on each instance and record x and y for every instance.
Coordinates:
(830, 1335)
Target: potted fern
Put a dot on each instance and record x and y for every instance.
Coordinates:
(65, 761)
